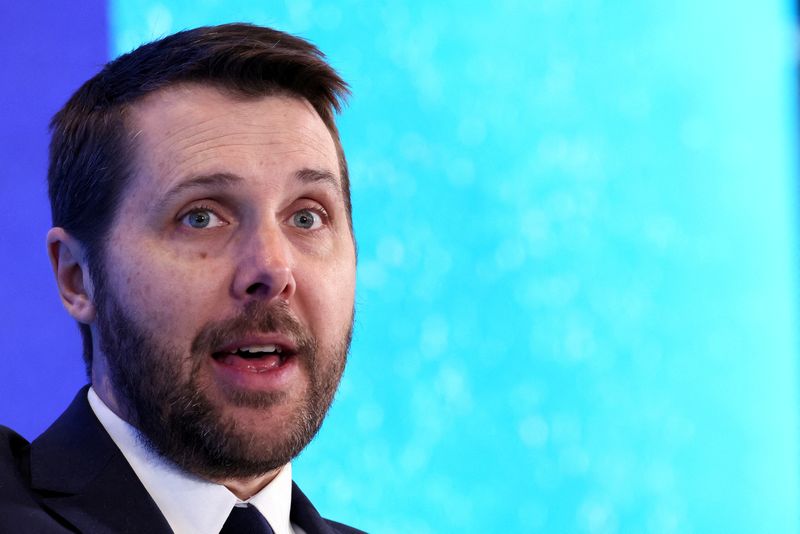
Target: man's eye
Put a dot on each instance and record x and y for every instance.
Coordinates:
(307, 220)
(202, 218)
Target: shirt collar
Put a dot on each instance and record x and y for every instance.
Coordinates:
(190, 503)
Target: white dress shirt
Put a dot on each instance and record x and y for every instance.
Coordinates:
(191, 504)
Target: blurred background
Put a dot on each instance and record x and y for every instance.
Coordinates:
(577, 223)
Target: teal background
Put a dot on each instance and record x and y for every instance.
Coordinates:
(577, 272)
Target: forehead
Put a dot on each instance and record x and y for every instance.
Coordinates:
(192, 129)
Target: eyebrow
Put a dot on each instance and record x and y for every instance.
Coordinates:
(210, 180)
(319, 175)
(222, 179)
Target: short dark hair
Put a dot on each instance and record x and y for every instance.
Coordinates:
(90, 145)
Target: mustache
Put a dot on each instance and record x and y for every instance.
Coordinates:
(256, 318)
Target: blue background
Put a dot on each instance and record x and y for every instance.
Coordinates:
(577, 273)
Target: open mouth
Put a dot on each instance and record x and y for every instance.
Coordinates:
(255, 358)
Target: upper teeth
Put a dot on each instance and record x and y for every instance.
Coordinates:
(260, 348)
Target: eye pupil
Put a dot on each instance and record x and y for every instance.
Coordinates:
(199, 219)
(304, 219)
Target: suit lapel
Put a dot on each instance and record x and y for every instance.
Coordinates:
(304, 515)
(82, 477)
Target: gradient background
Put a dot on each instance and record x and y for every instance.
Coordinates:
(578, 273)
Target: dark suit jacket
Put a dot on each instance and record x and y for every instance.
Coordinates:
(73, 478)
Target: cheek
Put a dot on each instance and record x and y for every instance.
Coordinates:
(328, 295)
(161, 288)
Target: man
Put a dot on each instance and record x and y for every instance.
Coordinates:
(203, 242)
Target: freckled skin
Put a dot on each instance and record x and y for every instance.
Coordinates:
(189, 131)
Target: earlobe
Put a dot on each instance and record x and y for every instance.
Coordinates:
(72, 274)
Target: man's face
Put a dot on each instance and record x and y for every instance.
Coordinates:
(225, 302)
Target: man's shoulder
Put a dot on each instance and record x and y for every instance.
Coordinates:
(14, 460)
(72, 478)
(18, 503)
(11, 441)
(341, 528)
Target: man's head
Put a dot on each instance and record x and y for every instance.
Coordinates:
(90, 161)
(202, 238)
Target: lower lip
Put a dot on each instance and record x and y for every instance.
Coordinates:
(244, 374)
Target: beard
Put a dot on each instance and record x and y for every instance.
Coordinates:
(162, 392)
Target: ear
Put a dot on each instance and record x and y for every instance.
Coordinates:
(72, 274)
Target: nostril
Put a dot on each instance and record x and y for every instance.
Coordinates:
(264, 282)
(257, 288)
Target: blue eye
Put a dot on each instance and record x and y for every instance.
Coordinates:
(306, 219)
(201, 218)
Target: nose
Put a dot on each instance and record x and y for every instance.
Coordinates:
(263, 267)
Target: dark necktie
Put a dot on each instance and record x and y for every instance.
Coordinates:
(246, 520)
